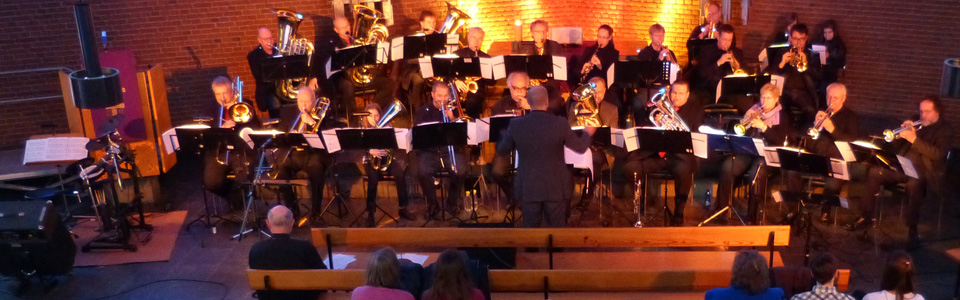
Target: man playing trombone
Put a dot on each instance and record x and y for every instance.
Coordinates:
(925, 142)
(432, 161)
(221, 161)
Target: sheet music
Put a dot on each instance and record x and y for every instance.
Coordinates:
(822, 50)
(55, 149)
(845, 151)
(330, 138)
(559, 68)
(778, 81)
(844, 203)
(403, 138)
(245, 135)
(674, 70)
(382, 50)
(483, 129)
(579, 160)
(472, 137)
(453, 39)
(630, 139)
(760, 146)
(699, 144)
(839, 169)
(611, 75)
(907, 166)
(616, 137)
(499, 68)
(764, 62)
(169, 140)
(486, 67)
(771, 157)
(417, 258)
(327, 68)
(340, 261)
(313, 140)
(396, 48)
(777, 197)
(426, 67)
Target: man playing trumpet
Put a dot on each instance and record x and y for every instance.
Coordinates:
(801, 73)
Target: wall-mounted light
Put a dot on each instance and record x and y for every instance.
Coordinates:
(517, 30)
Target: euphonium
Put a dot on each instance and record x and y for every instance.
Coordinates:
(890, 135)
(317, 113)
(366, 31)
(456, 21)
(290, 44)
(381, 163)
(664, 115)
(797, 61)
(586, 109)
(748, 117)
(240, 112)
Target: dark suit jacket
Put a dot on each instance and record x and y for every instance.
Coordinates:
(846, 128)
(264, 89)
(551, 47)
(796, 80)
(539, 139)
(283, 253)
(473, 105)
(929, 151)
(707, 74)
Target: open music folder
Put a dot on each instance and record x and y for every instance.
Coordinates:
(53, 150)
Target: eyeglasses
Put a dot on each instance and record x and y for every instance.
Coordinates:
(519, 89)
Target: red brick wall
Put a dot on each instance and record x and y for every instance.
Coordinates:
(198, 40)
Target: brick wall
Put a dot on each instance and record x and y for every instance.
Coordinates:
(198, 40)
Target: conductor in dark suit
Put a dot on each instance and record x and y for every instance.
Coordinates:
(544, 181)
(281, 252)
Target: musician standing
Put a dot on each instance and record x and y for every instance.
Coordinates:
(430, 159)
(707, 30)
(766, 120)
(265, 91)
(397, 169)
(714, 63)
(927, 149)
(311, 161)
(639, 162)
(799, 84)
(544, 180)
(473, 105)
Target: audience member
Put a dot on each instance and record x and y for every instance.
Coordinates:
(824, 269)
(382, 278)
(451, 280)
(281, 252)
(751, 280)
(897, 280)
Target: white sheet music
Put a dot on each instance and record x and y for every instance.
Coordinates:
(777, 80)
(907, 166)
(313, 140)
(499, 68)
(340, 261)
(403, 138)
(55, 149)
(426, 67)
(771, 157)
(610, 75)
(245, 135)
(472, 137)
(764, 62)
(483, 129)
(616, 137)
(822, 50)
(486, 67)
(383, 49)
(579, 160)
(396, 48)
(839, 169)
(453, 39)
(759, 144)
(327, 68)
(330, 138)
(559, 68)
(417, 258)
(699, 144)
(169, 140)
(777, 197)
(674, 71)
(845, 151)
(630, 139)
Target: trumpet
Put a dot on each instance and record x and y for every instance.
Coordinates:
(891, 134)
(711, 30)
(664, 115)
(735, 64)
(814, 131)
(797, 61)
(752, 114)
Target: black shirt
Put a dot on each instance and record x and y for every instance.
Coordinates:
(650, 54)
(707, 74)
(607, 55)
(283, 253)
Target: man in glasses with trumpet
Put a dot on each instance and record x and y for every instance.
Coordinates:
(925, 142)
(800, 69)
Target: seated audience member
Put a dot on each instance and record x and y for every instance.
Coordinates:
(897, 279)
(451, 280)
(281, 252)
(751, 280)
(824, 269)
(382, 278)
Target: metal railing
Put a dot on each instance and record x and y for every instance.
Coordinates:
(37, 98)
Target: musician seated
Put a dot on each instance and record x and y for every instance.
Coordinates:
(926, 148)
(411, 82)
(596, 59)
(397, 168)
(656, 51)
(714, 63)
(638, 163)
(432, 161)
(344, 101)
(842, 125)
(474, 103)
(518, 83)
(220, 162)
(800, 69)
(265, 90)
(605, 116)
(280, 252)
(542, 45)
(766, 120)
(311, 161)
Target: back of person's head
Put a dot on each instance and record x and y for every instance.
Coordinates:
(537, 98)
(898, 274)
(451, 280)
(280, 220)
(823, 267)
(383, 269)
(750, 272)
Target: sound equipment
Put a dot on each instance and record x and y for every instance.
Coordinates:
(33, 241)
(26, 221)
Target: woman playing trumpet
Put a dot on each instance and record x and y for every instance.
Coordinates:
(769, 121)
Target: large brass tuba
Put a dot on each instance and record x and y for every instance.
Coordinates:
(365, 31)
(289, 44)
(317, 113)
(456, 21)
(381, 163)
(586, 108)
(664, 115)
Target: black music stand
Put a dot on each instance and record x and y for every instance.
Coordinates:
(196, 142)
(352, 57)
(696, 47)
(632, 75)
(430, 137)
(538, 67)
(279, 68)
(453, 67)
(498, 128)
(417, 46)
(365, 139)
(805, 163)
(775, 55)
(732, 145)
(657, 140)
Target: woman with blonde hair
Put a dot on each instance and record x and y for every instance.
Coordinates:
(382, 278)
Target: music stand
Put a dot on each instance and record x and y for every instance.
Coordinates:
(538, 67)
(278, 68)
(192, 141)
(655, 140)
(364, 139)
(418, 46)
(775, 55)
(450, 67)
(732, 145)
(430, 137)
(695, 46)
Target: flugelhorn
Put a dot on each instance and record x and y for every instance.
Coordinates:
(797, 61)
(891, 134)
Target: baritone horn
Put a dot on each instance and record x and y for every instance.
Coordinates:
(664, 114)
(290, 44)
(381, 163)
(891, 134)
(456, 21)
(366, 31)
(586, 109)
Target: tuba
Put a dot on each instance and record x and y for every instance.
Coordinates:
(240, 112)
(366, 31)
(456, 21)
(586, 108)
(290, 44)
(381, 163)
(317, 113)
(664, 115)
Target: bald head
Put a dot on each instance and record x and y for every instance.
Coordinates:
(280, 220)
(538, 99)
(265, 38)
(342, 26)
(305, 99)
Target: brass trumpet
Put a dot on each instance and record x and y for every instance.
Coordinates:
(797, 61)
(814, 131)
(752, 114)
(890, 135)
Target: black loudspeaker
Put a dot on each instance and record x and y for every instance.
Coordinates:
(495, 258)
(33, 241)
